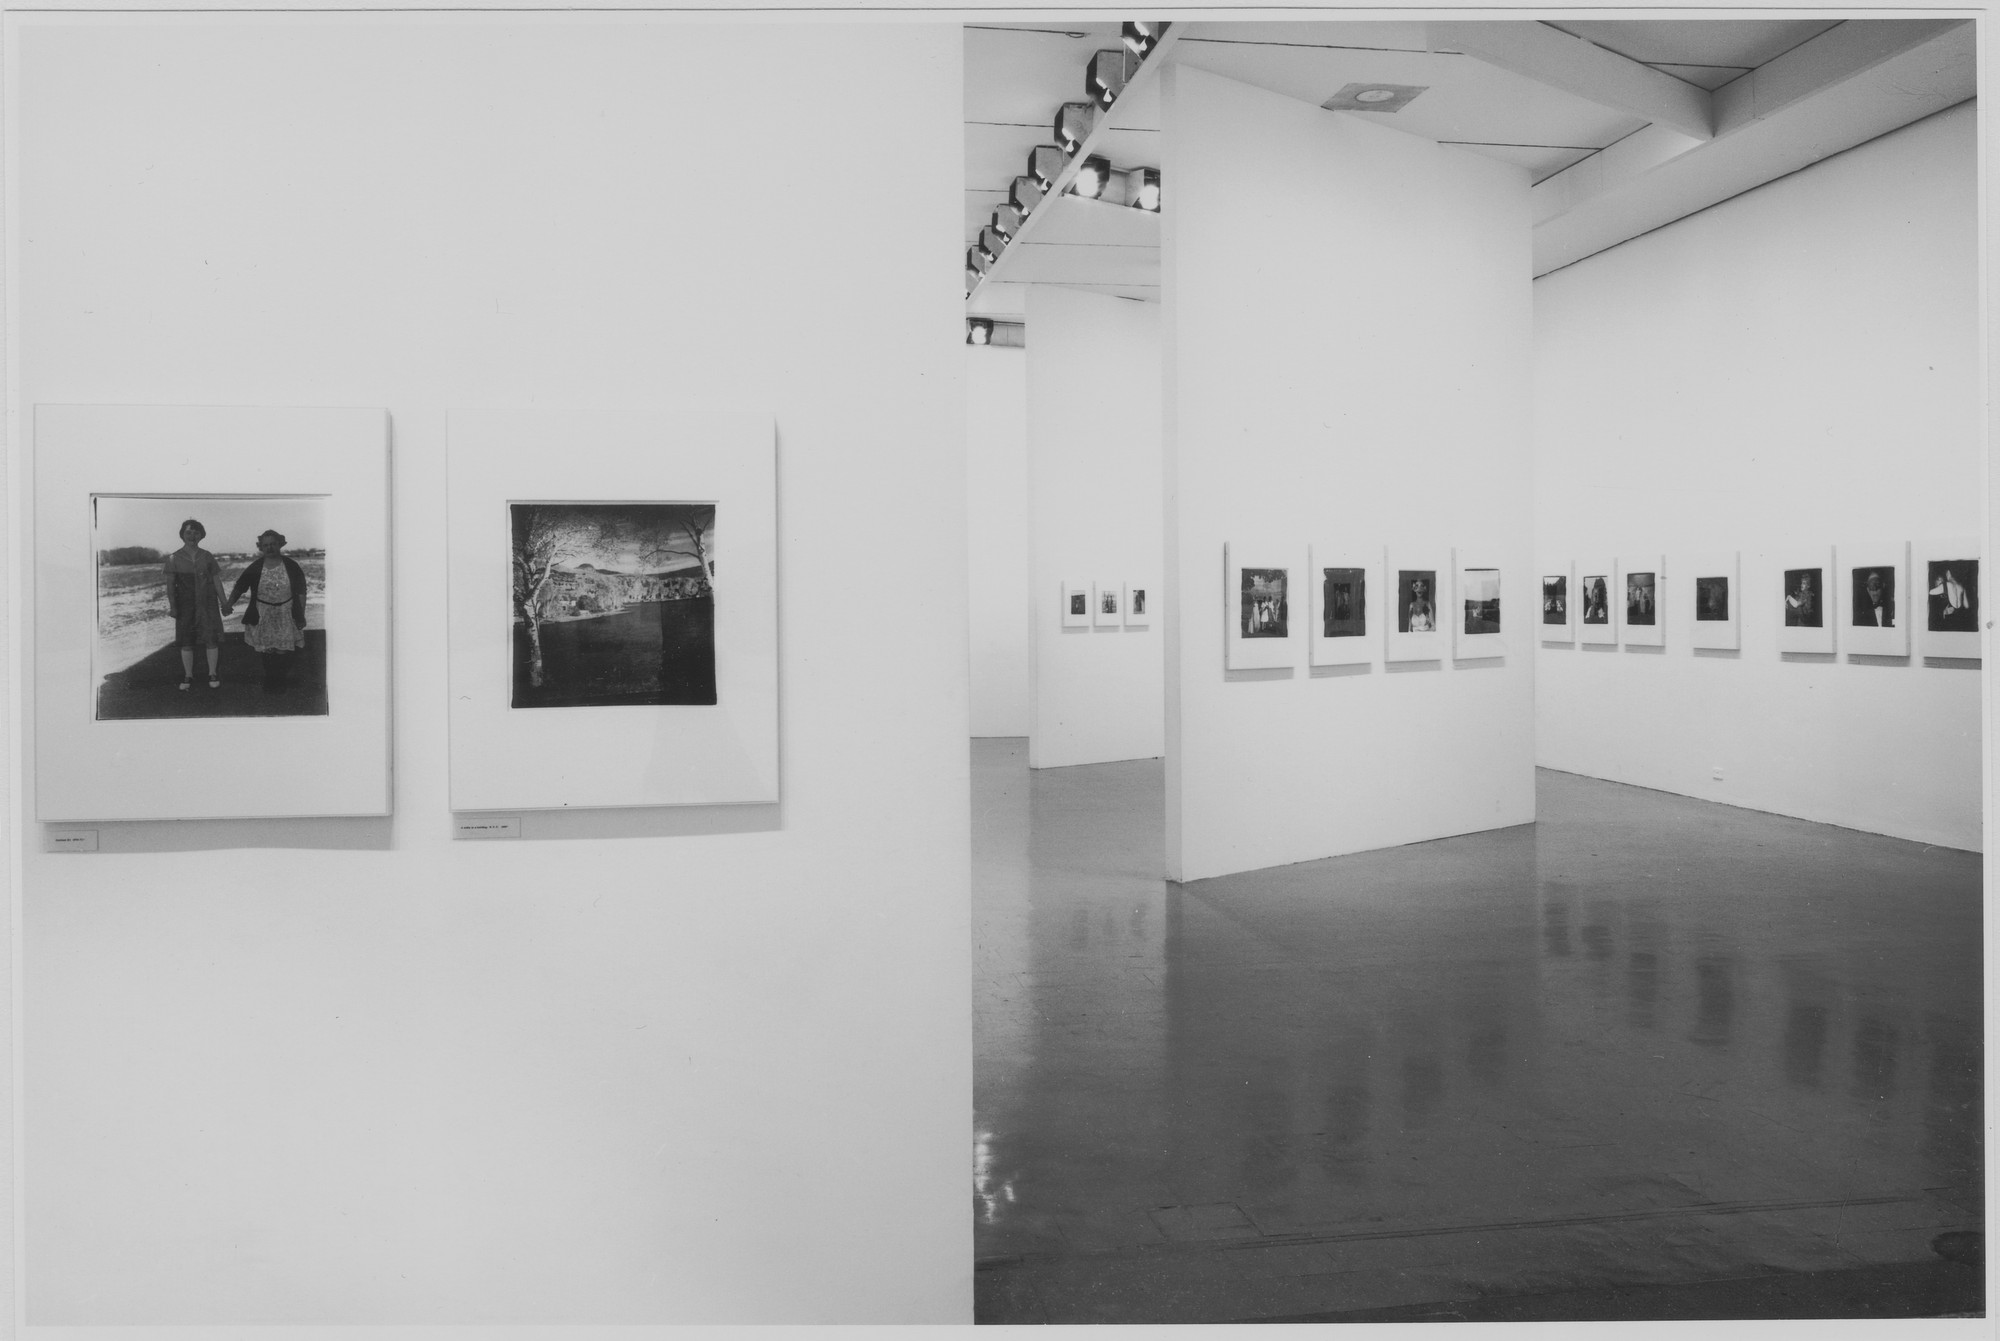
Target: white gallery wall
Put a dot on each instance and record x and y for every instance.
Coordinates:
(1795, 367)
(713, 1065)
(1094, 475)
(996, 539)
(1347, 324)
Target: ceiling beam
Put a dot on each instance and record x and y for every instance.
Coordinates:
(1553, 57)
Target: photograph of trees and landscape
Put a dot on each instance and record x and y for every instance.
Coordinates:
(211, 606)
(614, 604)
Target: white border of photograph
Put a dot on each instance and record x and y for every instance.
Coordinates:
(1071, 589)
(1714, 634)
(1413, 646)
(209, 767)
(1642, 635)
(1240, 653)
(1923, 553)
(1142, 618)
(1790, 638)
(1564, 632)
(1114, 620)
(1473, 646)
(1597, 635)
(504, 758)
(1864, 640)
(1325, 651)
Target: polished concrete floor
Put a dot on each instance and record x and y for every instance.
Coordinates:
(1645, 1043)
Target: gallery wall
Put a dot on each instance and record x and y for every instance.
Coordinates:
(1795, 367)
(712, 1066)
(996, 539)
(1347, 316)
(1094, 479)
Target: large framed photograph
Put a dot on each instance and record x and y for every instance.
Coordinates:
(1555, 616)
(1947, 608)
(1416, 583)
(1596, 596)
(1346, 604)
(1138, 604)
(211, 591)
(1476, 624)
(1805, 616)
(1642, 590)
(1873, 599)
(1714, 600)
(613, 615)
(1263, 614)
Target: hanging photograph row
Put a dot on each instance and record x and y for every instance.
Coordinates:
(1856, 598)
(1106, 605)
(214, 585)
(1421, 604)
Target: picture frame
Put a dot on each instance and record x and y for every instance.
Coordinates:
(1262, 614)
(1596, 602)
(1478, 618)
(1075, 603)
(1947, 610)
(1874, 580)
(186, 754)
(1714, 593)
(1107, 605)
(508, 755)
(1642, 601)
(1139, 598)
(1556, 582)
(1411, 632)
(1344, 595)
(1802, 599)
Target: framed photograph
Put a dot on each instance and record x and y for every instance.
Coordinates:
(1138, 604)
(1642, 590)
(1873, 599)
(1415, 583)
(1556, 617)
(212, 589)
(613, 617)
(1596, 590)
(1948, 569)
(1805, 621)
(1476, 628)
(1263, 612)
(1075, 604)
(1714, 600)
(1107, 605)
(1341, 587)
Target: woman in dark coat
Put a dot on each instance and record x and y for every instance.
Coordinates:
(274, 623)
(194, 590)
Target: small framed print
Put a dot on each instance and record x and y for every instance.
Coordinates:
(1075, 604)
(1340, 585)
(1596, 581)
(1261, 608)
(1413, 618)
(1556, 618)
(1805, 620)
(1714, 604)
(1476, 628)
(1641, 587)
(1946, 609)
(1107, 605)
(1873, 599)
(1138, 604)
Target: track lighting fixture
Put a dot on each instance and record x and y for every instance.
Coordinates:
(1008, 220)
(978, 331)
(991, 242)
(977, 261)
(1073, 125)
(1142, 35)
(1104, 78)
(1045, 164)
(1092, 178)
(991, 331)
(1142, 189)
(1026, 193)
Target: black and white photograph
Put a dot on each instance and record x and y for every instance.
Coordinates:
(1954, 595)
(209, 606)
(1480, 590)
(1138, 601)
(1265, 611)
(1875, 597)
(1079, 604)
(1805, 604)
(1555, 599)
(1107, 601)
(1596, 598)
(1711, 599)
(1640, 599)
(1344, 602)
(613, 604)
(1416, 600)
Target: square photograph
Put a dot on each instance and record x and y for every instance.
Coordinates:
(209, 606)
(1265, 611)
(1596, 598)
(1640, 599)
(1875, 597)
(1480, 588)
(1953, 587)
(1555, 599)
(1805, 603)
(1343, 602)
(1416, 600)
(1711, 599)
(613, 604)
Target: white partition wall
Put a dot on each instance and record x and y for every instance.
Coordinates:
(1347, 324)
(1804, 414)
(326, 1072)
(996, 539)
(1094, 480)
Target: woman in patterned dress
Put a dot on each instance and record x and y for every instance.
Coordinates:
(274, 623)
(194, 591)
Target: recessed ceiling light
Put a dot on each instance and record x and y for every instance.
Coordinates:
(1373, 97)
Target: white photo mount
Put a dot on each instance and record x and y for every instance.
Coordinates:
(1632, 630)
(507, 758)
(1344, 649)
(1951, 595)
(179, 768)
(1595, 606)
(1805, 592)
(1269, 607)
(1473, 574)
(1075, 607)
(1139, 598)
(1547, 576)
(1706, 601)
(1856, 562)
(1110, 594)
(1400, 602)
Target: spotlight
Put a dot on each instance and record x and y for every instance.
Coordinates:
(1104, 78)
(1026, 193)
(972, 278)
(1092, 178)
(1073, 125)
(977, 260)
(1142, 189)
(1008, 220)
(991, 242)
(1045, 164)
(978, 331)
(1142, 35)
